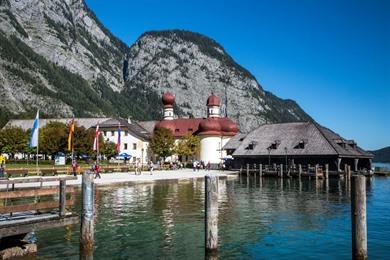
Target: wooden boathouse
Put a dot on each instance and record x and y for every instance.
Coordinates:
(293, 144)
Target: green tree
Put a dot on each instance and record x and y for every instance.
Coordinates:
(188, 145)
(83, 140)
(108, 149)
(162, 142)
(53, 138)
(13, 140)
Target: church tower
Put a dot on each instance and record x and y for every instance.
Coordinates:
(213, 106)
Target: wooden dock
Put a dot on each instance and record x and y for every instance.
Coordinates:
(31, 209)
(309, 171)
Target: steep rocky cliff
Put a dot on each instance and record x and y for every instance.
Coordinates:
(57, 56)
(192, 66)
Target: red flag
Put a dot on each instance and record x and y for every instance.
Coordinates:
(96, 140)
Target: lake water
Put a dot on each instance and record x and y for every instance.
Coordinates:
(267, 220)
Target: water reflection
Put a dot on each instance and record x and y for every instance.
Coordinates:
(258, 218)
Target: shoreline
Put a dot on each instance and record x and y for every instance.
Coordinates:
(130, 178)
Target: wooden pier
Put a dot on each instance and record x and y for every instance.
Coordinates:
(280, 171)
(31, 209)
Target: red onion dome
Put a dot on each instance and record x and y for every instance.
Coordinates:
(168, 99)
(167, 124)
(229, 128)
(213, 100)
(210, 126)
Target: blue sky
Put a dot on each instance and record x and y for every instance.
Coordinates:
(332, 57)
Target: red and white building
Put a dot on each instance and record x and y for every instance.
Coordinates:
(214, 131)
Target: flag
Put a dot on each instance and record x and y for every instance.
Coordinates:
(70, 135)
(35, 132)
(118, 143)
(96, 140)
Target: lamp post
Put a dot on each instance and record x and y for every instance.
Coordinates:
(269, 156)
(285, 150)
(142, 157)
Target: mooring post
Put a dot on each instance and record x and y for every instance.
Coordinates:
(260, 170)
(281, 170)
(62, 198)
(349, 172)
(359, 219)
(299, 170)
(326, 171)
(87, 227)
(316, 171)
(247, 170)
(211, 211)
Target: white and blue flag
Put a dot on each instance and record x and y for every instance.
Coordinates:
(35, 132)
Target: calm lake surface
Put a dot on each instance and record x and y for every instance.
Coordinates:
(267, 220)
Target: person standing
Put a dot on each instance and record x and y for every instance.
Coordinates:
(194, 165)
(208, 165)
(2, 171)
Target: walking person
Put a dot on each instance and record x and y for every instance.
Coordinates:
(96, 169)
(151, 167)
(74, 167)
(208, 165)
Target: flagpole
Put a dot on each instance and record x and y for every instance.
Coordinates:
(37, 163)
(97, 150)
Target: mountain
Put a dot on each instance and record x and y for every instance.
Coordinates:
(382, 155)
(192, 66)
(58, 57)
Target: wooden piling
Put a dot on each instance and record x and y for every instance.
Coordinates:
(349, 173)
(299, 170)
(316, 171)
(211, 213)
(326, 171)
(62, 200)
(359, 219)
(87, 227)
(281, 170)
(260, 170)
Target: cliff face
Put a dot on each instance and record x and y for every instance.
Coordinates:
(192, 66)
(54, 52)
(57, 56)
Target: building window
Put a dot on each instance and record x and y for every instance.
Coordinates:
(134, 146)
(301, 144)
(125, 146)
(177, 130)
(251, 145)
(274, 145)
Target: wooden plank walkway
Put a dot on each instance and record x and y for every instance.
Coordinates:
(18, 217)
(26, 222)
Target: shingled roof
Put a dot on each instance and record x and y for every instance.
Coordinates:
(134, 128)
(26, 124)
(234, 142)
(299, 139)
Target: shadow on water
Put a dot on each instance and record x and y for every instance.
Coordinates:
(258, 218)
